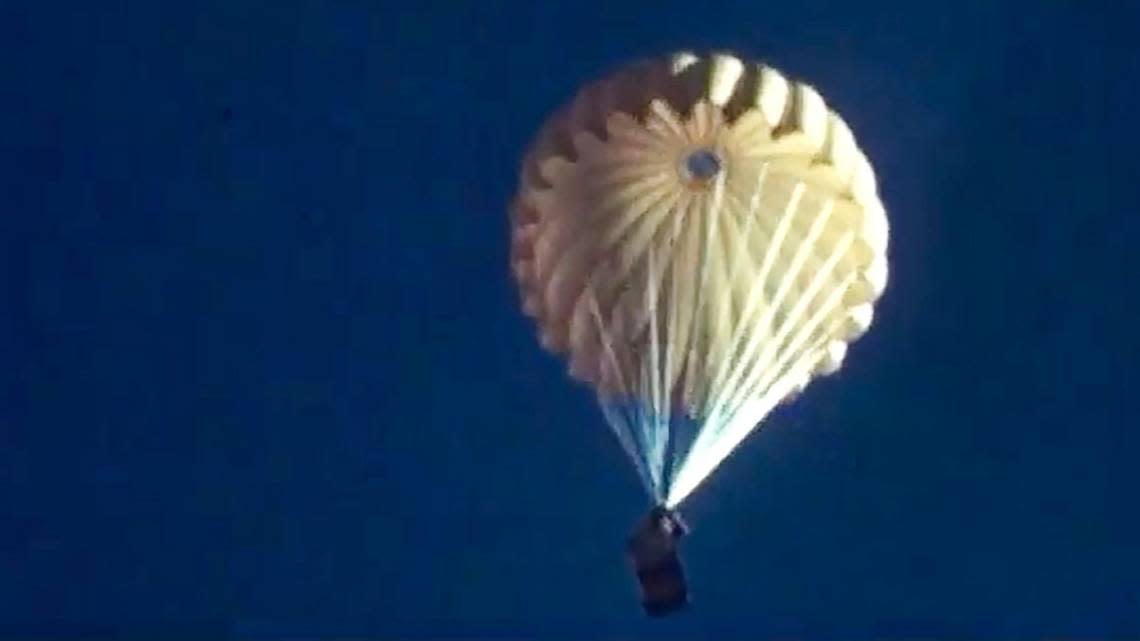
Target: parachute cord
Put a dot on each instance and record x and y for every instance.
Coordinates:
(709, 219)
(772, 376)
(619, 420)
(675, 340)
(764, 325)
(747, 334)
(713, 417)
(740, 256)
(777, 379)
(744, 420)
(653, 423)
(767, 364)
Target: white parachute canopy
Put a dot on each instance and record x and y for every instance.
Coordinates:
(701, 238)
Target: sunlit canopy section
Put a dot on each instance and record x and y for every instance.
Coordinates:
(701, 238)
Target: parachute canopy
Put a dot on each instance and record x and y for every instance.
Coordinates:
(700, 237)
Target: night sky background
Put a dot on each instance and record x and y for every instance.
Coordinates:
(263, 373)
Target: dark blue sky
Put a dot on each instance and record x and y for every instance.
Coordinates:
(263, 373)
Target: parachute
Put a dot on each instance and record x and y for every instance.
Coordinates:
(700, 237)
